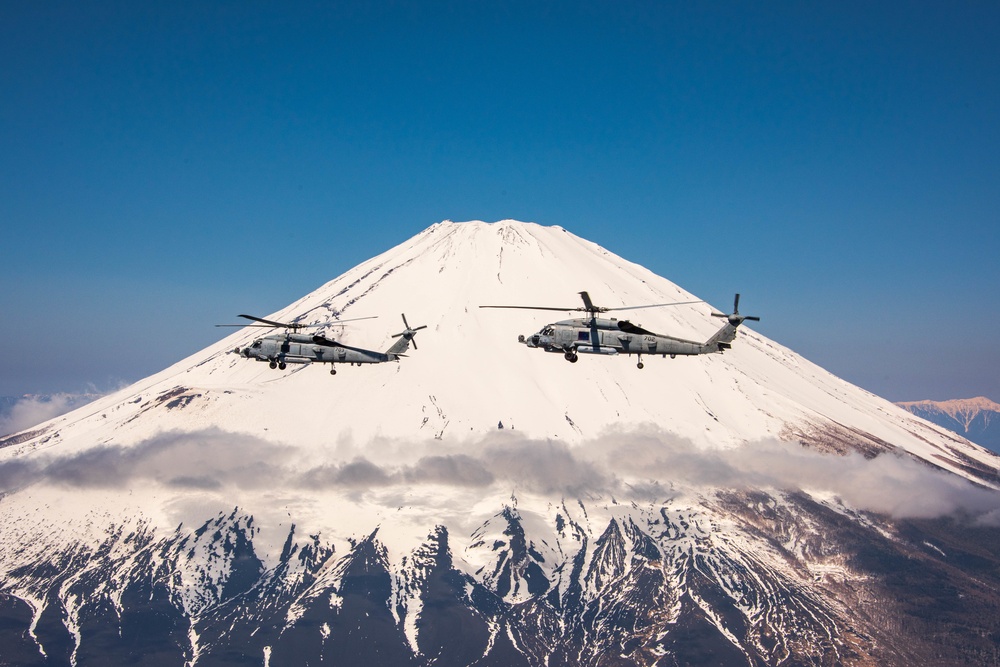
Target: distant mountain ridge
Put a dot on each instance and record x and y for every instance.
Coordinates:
(977, 419)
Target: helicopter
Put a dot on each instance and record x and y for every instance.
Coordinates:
(594, 335)
(292, 347)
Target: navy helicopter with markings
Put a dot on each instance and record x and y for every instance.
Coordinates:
(292, 347)
(595, 335)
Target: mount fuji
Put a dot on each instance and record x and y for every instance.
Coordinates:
(740, 508)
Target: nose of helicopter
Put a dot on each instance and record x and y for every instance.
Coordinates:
(530, 341)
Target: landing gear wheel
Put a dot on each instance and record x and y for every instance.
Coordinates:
(273, 364)
(282, 366)
(571, 357)
(639, 365)
(333, 371)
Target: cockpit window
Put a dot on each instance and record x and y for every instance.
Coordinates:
(256, 343)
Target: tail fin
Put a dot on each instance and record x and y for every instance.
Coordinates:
(721, 341)
(405, 338)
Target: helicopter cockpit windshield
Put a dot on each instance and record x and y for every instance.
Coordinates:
(543, 338)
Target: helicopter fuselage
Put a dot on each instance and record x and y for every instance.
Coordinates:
(291, 347)
(596, 335)
(612, 336)
(280, 349)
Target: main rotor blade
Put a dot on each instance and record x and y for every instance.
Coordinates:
(573, 308)
(652, 305)
(591, 308)
(595, 336)
(271, 322)
(736, 303)
(293, 325)
(353, 319)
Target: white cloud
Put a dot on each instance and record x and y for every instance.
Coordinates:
(30, 411)
(638, 464)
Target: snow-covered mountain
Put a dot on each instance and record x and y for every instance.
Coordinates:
(736, 508)
(977, 419)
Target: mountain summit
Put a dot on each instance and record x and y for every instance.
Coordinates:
(480, 502)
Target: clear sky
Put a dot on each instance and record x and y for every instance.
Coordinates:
(165, 166)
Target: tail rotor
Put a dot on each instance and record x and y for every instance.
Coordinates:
(734, 317)
(409, 334)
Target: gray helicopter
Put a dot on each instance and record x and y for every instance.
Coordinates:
(594, 335)
(291, 347)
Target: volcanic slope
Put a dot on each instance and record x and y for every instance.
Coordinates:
(737, 508)
(469, 374)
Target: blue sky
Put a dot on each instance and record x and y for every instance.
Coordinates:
(165, 166)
